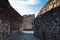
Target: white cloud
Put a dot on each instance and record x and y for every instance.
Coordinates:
(35, 15)
(22, 6)
(26, 2)
(29, 2)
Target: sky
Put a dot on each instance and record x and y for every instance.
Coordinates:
(25, 7)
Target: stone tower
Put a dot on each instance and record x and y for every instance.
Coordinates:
(28, 22)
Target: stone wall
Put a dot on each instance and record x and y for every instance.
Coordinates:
(28, 21)
(49, 5)
(47, 25)
(4, 29)
(10, 20)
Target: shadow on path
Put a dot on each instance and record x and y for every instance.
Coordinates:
(24, 36)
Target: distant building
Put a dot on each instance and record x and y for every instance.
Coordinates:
(28, 21)
(47, 22)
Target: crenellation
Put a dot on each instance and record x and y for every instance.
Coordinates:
(51, 4)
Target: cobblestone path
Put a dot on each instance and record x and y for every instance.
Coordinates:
(26, 35)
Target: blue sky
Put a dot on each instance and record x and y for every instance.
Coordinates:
(28, 6)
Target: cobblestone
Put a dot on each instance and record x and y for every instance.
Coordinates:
(23, 36)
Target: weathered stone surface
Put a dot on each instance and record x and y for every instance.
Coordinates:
(4, 29)
(27, 35)
(28, 21)
(10, 20)
(47, 25)
(49, 5)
